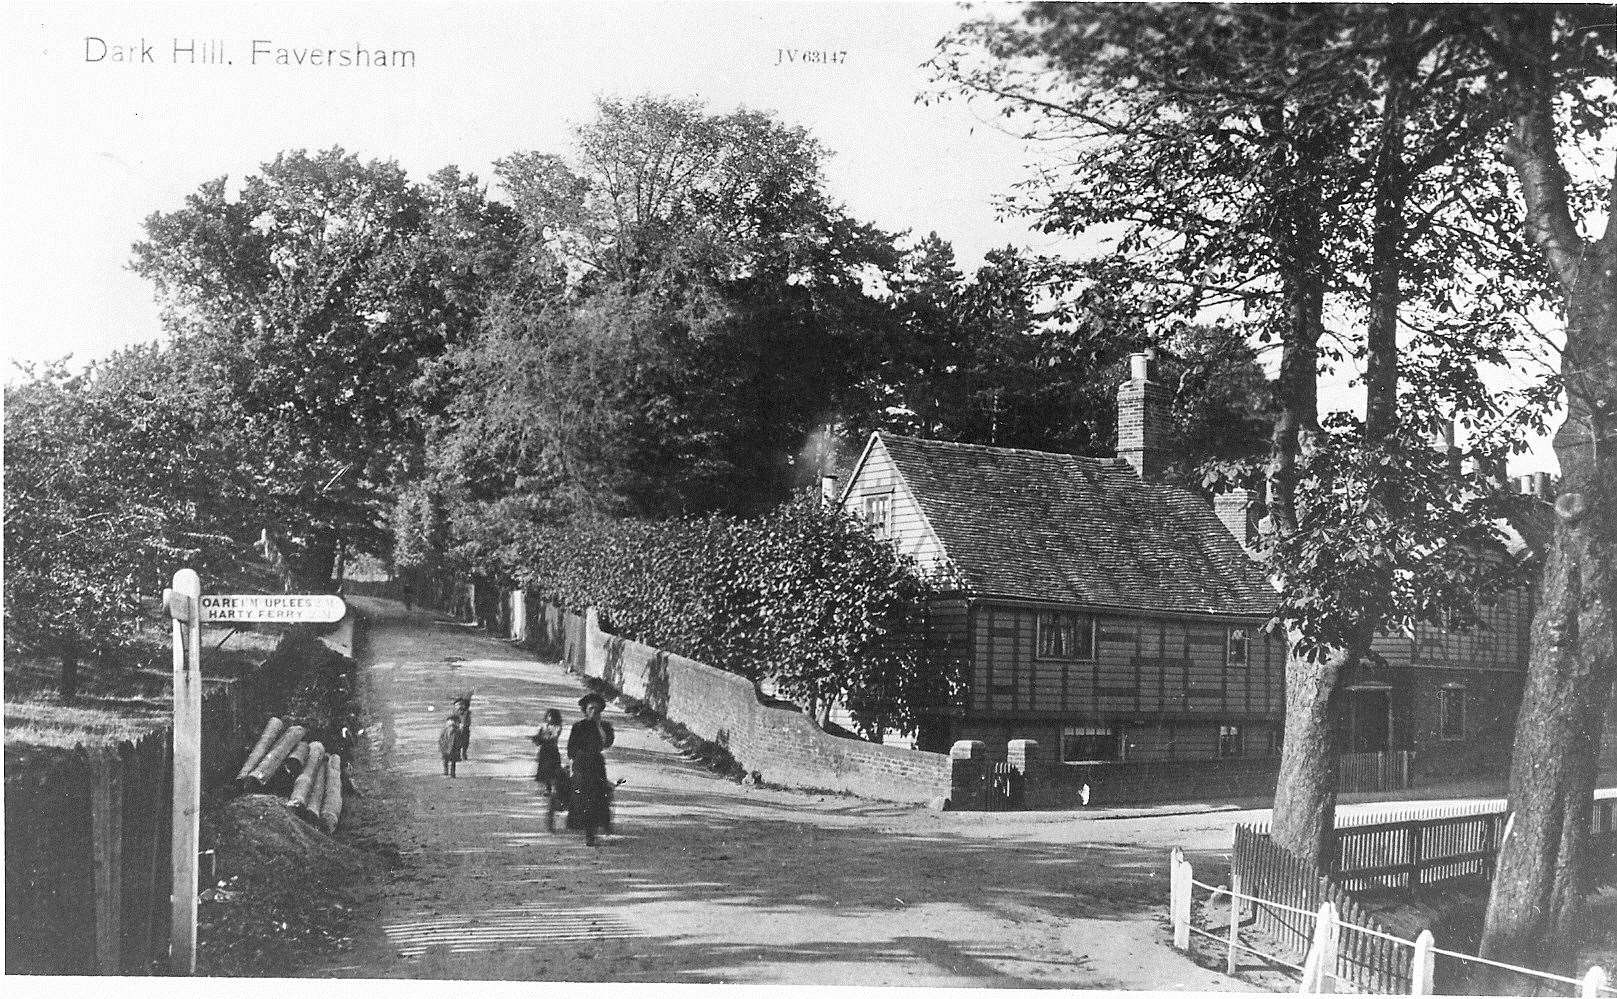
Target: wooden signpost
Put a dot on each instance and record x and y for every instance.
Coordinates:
(184, 605)
(189, 609)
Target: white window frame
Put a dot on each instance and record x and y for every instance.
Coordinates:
(1113, 732)
(877, 509)
(1079, 621)
(1236, 733)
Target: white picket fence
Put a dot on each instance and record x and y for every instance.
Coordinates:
(1321, 970)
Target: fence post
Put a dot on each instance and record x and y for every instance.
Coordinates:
(1319, 971)
(1235, 921)
(1414, 857)
(1179, 876)
(107, 836)
(1593, 982)
(1423, 965)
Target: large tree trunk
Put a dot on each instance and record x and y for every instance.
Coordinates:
(1391, 195)
(1535, 905)
(1536, 901)
(1305, 795)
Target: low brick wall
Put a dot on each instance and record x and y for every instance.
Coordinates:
(1126, 783)
(778, 742)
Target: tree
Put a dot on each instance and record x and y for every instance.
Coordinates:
(1552, 63)
(316, 299)
(1230, 152)
(702, 309)
(108, 487)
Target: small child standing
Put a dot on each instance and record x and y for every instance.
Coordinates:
(449, 743)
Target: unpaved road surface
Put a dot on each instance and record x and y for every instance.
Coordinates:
(706, 880)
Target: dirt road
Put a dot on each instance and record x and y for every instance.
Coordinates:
(709, 881)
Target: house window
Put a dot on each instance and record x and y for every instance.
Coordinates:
(1235, 647)
(1088, 743)
(1451, 711)
(1229, 741)
(879, 514)
(1066, 636)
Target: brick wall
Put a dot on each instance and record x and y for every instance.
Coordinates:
(777, 741)
(1131, 782)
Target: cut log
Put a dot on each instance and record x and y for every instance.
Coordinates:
(271, 762)
(304, 785)
(331, 806)
(310, 808)
(293, 764)
(272, 731)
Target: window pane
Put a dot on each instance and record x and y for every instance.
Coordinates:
(1237, 647)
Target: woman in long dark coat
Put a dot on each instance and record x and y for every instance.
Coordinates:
(592, 792)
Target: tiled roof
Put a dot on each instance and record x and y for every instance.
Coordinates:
(1038, 526)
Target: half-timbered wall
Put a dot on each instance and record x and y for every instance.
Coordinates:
(1499, 643)
(1141, 667)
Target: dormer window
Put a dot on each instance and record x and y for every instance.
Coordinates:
(878, 514)
(1066, 636)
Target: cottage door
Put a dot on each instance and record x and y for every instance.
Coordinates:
(1369, 721)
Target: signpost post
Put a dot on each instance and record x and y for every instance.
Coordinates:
(189, 609)
(184, 605)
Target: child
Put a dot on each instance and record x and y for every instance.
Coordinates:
(548, 770)
(449, 744)
(463, 710)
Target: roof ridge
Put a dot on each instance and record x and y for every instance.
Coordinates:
(890, 435)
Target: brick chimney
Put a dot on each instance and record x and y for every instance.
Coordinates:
(828, 490)
(1238, 509)
(1142, 418)
(1442, 436)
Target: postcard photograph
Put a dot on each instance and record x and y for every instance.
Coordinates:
(778, 496)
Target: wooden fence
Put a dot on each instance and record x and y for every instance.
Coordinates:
(1409, 848)
(1383, 771)
(1366, 953)
(1337, 941)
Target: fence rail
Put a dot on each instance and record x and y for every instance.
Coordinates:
(1410, 848)
(1343, 944)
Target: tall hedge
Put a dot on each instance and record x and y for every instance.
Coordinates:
(804, 595)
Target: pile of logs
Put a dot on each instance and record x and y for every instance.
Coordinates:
(283, 760)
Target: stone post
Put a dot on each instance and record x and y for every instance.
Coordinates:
(1023, 754)
(968, 770)
(594, 658)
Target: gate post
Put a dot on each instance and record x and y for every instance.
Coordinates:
(1023, 754)
(1422, 968)
(1179, 877)
(968, 773)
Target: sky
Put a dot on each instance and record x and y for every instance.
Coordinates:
(93, 147)
(112, 111)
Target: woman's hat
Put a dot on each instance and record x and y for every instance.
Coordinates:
(595, 699)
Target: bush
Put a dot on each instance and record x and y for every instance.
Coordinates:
(804, 596)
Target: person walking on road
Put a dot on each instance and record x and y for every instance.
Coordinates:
(449, 743)
(592, 794)
(548, 739)
(548, 769)
(463, 711)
